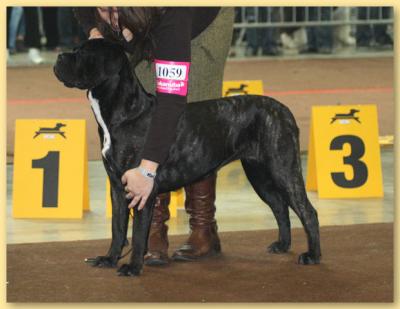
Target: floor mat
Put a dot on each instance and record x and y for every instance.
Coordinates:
(357, 266)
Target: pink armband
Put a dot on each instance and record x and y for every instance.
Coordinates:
(172, 77)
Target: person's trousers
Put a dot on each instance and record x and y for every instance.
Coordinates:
(14, 21)
(32, 35)
(365, 33)
(50, 26)
(67, 27)
(320, 36)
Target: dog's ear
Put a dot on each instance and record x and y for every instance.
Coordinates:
(114, 60)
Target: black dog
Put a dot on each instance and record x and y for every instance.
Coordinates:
(258, 130)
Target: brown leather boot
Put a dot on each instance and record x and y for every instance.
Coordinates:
(157, 253)
(203, 240)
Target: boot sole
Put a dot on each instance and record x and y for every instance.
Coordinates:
(155, 262)
(183, 258)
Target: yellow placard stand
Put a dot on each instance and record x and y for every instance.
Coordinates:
(343, 154)
(241, 87)
(50, 169)
(177, 201)
(108, 199)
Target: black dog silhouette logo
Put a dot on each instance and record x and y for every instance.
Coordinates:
(345, 118)
(51, 131)
(238, 90)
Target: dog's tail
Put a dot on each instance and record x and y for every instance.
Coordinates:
(289, 128)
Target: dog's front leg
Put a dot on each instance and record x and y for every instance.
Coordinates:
(120, 219)
(141, 228)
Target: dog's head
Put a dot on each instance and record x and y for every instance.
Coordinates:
(90, 64)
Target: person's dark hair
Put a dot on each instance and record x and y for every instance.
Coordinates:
(139, 20)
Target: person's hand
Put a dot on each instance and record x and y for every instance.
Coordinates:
(112, 19)
(95, 34)
(109, 15)
(127, 34)
(137, 186)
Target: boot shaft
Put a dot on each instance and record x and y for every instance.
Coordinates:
(161, 211)
(200, 203)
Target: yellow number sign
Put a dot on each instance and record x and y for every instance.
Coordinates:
(176, 202)
(344, 155)
(239, 87)
(108, 199)
(50, 169)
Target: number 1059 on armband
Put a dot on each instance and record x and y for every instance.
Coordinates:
(343, 154)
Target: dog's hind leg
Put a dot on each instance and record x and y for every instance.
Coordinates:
(309, 218)
(140, 235)
(286, 173)
(258, 176)
(120, 219)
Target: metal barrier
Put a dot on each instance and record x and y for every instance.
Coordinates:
(250, 17)
(290, 19)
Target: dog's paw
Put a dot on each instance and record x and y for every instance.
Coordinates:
(307, 258)
(103, 261)
(278, 247)
(129, 270)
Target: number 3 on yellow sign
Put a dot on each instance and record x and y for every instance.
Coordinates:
(357, 151)
(344, 155)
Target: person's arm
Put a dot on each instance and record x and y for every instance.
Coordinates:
(172, 53)
(172, 66)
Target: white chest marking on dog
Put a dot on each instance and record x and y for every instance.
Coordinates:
(97, 113)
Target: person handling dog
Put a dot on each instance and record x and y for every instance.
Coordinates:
(188, 47)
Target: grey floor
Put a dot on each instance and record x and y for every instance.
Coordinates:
(238, 208)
